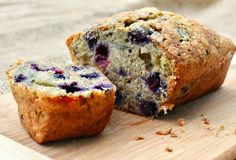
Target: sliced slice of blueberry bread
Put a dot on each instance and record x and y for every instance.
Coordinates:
(157, 59)
(58, 102)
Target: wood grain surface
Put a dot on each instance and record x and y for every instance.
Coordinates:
(37, 29)
(199, 139)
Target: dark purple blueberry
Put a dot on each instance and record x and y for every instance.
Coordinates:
(153, 82)
(57, 70)
(91, 39)
(76, 68)
(20, 78)
(139, 36)
(122, 72)
(118, 97)
(71, 88)
(59, 76)
(102, 86)
(148, 108)
(184, 89)
(37, 68)
(101, 55)
(90, 75)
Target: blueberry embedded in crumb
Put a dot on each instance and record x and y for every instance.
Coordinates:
(59, 76)
(118, 97)
(184, 89)
(91, 39)
(57, 70)
(90, 75)
(37, 68)
(139, 36)
(122, 72)
(102, 86)
(153, 82)
(20, 78)
(76, 68)
(101, 55)
(148, 108)
(71, 88)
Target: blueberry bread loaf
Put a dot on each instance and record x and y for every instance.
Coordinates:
(156, 59)
(61, 102)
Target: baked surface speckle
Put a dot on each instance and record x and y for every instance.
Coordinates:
(59, 102)
(157, 59)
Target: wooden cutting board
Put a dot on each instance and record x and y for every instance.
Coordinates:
(195, 140)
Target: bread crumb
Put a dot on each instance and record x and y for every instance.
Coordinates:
(181, 122)
(202, 115)
(138, 138)
(206, 121)
(164, 132)
(222, 127)
(172, 134)
(169, 149)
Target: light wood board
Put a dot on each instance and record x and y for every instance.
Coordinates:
(195, 140)
(10, 150)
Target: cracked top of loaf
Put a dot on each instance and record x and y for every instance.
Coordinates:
(183, 39)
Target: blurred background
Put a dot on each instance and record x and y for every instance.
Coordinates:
(37, 30)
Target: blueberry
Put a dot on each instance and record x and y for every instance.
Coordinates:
(37, 68)
(148, 108)
(153, 82)
(118, 97)
(90, 75)
(57, 70)
(71, 88)
(59, 76)
(20, 78)
(76, 68)
(101, 55)
(102, 86)
(139, 36)
(122, 72)
(184, 89)
(91, 39)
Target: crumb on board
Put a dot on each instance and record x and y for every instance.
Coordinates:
(181, 122)
(202, 115)
(206, 121)
(172, 134)
(138, 138)
(169, 149)
(164, 132)
(222, 127)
